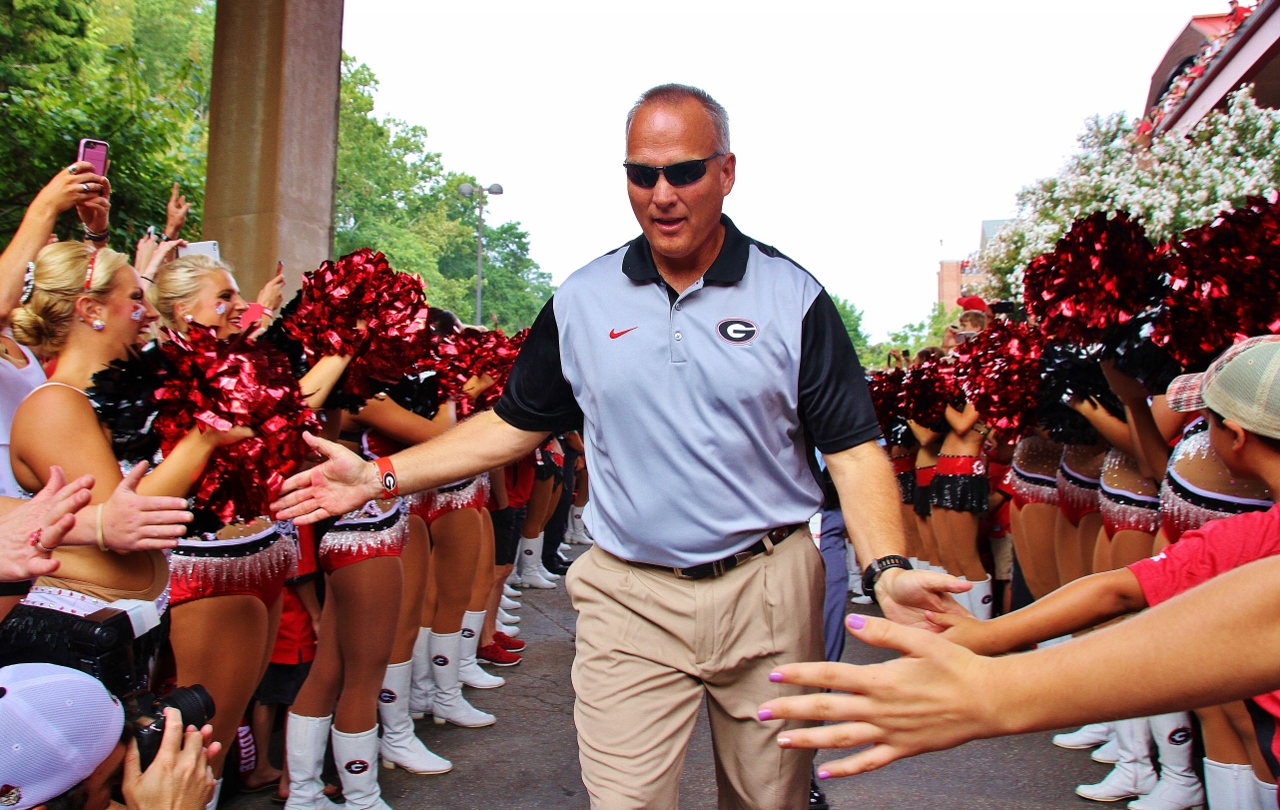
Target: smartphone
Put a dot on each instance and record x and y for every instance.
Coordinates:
(279, 268)
(252, 315)
(201, 248)
(965, 337)
(95, 152)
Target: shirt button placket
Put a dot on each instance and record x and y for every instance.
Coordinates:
(678, 328)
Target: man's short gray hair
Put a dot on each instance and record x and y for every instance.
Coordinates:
(673, 93)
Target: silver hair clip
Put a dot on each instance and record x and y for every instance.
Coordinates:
(28, 283)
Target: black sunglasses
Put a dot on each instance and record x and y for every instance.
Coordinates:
(677, 174)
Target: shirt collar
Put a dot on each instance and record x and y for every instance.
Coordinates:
(728, 268)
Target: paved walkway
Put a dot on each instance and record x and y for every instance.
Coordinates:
(528, 760)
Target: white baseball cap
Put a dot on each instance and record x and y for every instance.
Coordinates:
(56, 726)
(1243, 385)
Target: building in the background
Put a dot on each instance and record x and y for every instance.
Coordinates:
(959, 277)
(1213, 56)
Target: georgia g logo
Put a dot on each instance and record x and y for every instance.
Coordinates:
(10, 795)
(388, 481)
(1180, 736)
(739, 331)
(357, 766)
(386, 696)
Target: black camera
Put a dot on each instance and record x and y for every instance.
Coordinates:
(103, 645)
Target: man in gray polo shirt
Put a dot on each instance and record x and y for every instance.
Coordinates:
(701, 367)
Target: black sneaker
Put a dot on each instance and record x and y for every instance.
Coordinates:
(817, 799)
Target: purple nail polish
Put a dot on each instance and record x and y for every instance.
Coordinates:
(856, 622)
(776, 677)
(824, 774)
(765, 714)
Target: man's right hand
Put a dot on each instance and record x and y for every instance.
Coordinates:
(179, 778)
(342, 483)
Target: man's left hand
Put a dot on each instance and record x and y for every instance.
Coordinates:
(905, 596)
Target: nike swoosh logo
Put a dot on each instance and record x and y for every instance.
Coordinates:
(615, 335)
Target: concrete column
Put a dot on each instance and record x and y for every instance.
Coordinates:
(273, 136)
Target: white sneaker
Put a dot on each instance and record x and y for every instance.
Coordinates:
(506, 618)
(861, 599)
(508, 604)
(1090, 736)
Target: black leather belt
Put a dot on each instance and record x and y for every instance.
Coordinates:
(723, 566)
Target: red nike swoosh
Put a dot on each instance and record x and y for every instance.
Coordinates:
(615, 335)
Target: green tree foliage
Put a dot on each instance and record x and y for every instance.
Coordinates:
(394, 195)
(852, 318)
(73, 70)
(915, 336)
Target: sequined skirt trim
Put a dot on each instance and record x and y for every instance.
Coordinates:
(241, 563)
(368, 529)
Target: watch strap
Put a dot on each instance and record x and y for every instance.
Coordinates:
(871, 574)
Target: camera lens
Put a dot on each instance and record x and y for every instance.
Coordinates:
(194, 702)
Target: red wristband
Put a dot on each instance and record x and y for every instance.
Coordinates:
(387, 474)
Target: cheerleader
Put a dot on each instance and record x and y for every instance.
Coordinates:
(87, 309)
(227, 580)
(959, 495)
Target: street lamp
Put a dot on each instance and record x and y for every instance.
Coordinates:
(468, 190)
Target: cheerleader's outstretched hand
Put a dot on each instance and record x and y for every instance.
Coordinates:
(936, 696)
(342, 482)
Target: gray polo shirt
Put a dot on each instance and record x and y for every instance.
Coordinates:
(698, 411)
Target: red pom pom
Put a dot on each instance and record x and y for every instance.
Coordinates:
(1102, 273)
(1225, 286)
(220, 384)
(927, 389)
(999, 372)
(475, 354)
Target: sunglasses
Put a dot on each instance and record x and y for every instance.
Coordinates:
(677, 174)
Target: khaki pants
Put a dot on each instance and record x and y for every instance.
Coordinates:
(651, 646)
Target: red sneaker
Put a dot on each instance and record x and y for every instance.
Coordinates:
(507, 643)
(497, 656)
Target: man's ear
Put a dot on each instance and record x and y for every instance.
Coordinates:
(1238, 434)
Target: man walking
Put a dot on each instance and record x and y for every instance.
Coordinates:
(699, 365)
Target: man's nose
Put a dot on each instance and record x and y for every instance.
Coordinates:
(664, 193)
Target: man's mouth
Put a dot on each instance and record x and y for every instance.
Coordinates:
(668, 224)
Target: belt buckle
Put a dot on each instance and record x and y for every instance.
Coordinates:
(717, 568)
(680, 574)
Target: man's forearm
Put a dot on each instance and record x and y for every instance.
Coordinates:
(477, 445)
(1227, 625)
(869, 500)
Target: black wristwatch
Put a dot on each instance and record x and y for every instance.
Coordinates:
(871, 574)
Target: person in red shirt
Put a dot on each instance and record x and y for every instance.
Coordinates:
(1240, 394)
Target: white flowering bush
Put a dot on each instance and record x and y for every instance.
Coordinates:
(1177, 183)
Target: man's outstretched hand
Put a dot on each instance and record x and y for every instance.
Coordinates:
(906, 597)
(331, 489)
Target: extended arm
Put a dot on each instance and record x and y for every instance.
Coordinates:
(869, 500)
(345, 481)
(1083, 603)
(961, 422)
(1114, 430)
(400, 424)
(939, 695)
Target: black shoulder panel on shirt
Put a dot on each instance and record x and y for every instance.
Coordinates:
(835, 405)
(538, 397)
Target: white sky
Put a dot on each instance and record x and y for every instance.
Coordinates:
(872, 140)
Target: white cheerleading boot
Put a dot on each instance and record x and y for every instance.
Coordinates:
(449, 705)
(469, 670)
(509, 629)
(508, 590)
(1108, 753)
(537, 562)
(965, 599)
(980, 599)
(305, 741)
(217, 792)
(422, 684)
(1179, 788)
(400, 745)
(508, 604)
(507, 618)
(355, 756)
(528, 561)
(1231, 787)
(574, 533)
(1090, 736)
(1133, 775)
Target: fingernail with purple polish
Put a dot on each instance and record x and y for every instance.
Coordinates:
(856, 622)
(824, 774)
(776, 677)
(765, 714)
